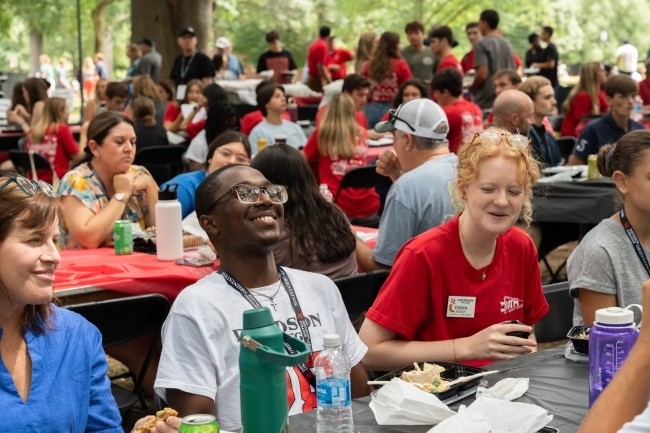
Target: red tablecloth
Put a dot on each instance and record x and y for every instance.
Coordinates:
(136, 274)
(374, 152)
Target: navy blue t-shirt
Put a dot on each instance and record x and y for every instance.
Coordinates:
(600, 132)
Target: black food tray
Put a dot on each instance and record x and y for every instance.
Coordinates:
(579, 344)
(452, 372)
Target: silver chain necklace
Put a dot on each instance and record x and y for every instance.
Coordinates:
(273, 303)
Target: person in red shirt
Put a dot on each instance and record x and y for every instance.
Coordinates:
(441, 38)
(386, 71)
(452, 287)
(340, 144)
(337, 62)
(585, 98)
(473, 36)
(51, 137)
(173, 117)
(644, 85)
(465, 118)
(317, 61)
(410, 89)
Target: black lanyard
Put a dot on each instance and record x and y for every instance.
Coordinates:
(302, 322)
(184, 68)
(635, 241)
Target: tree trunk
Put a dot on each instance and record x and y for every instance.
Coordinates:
(98, 15)
(35, 50)
(162, 20)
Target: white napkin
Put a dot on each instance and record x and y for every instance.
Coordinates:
(505, 389)
(495, 416)
(400, 403)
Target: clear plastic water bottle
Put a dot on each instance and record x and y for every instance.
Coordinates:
(610, 341)
(637, 113)
(333, 388)
(325, 191)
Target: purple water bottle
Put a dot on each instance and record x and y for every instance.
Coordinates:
(610, 341)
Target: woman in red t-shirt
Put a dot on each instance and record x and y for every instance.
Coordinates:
(173, 117)
(452, 287)
(339, 144)
(386, 71)
(585, 98)
(51, 137)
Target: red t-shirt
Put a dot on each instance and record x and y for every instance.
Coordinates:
(580, 106)
(194, 128)
(644, 91)
(354, 202)
(468, 62)
(385, 91)
(339, 57)
(254, 118)
(57, 147)
(450, 62)
(431, 272)
(172, 112)
(465, 119)
(318, 53)
(517, 60)
(361, 118)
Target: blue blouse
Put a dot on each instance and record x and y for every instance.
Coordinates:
(70, 391)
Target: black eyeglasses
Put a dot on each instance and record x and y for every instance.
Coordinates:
(30, 187)
(250, 194)
(392, 117)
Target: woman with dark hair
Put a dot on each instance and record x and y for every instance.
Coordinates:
(410, 89)
(316, 236)
(605, 270)
(212, 94)
(221, 118)
(149, 132)
(272, 102)
(17, 97)
(231, 147)
(107, 188)
(49, 354)
(35, 95)
(386, 71)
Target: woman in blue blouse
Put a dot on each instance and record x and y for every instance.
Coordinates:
(52, 365)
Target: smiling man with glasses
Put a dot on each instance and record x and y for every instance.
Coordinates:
(423, 170)
(243, 214)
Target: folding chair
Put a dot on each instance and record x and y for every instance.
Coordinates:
(556, 122)
(362, 177)
(163, 162)
(566, 145)
(359, 291)
(123, 320)
(559, 319)
(26, 162)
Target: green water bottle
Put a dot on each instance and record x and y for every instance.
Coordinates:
(262, 365)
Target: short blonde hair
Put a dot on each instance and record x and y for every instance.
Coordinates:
(473, 152)
(532, 85)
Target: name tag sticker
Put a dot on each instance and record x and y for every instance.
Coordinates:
(180, 92)
(461, 306)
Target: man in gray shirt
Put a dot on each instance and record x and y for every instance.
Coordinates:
(419, 57)
(491, 54)
(151, 61)
(424, 173)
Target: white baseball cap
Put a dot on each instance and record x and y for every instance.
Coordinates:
(222, 42)
(419, 117)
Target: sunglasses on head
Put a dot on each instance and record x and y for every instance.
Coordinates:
(392, 117)
(30, 187)
(491, 138)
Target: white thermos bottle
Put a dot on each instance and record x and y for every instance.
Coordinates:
(169, 230)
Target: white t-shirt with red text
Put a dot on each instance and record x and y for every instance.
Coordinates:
(202, 332)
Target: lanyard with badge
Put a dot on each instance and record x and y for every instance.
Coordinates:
(302, 322)
(181, 88)
(635, 241)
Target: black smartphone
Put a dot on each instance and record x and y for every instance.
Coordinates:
(519, 334)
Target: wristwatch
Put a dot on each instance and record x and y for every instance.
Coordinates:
(121, 197)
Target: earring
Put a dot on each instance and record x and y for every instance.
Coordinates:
(463, 201)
